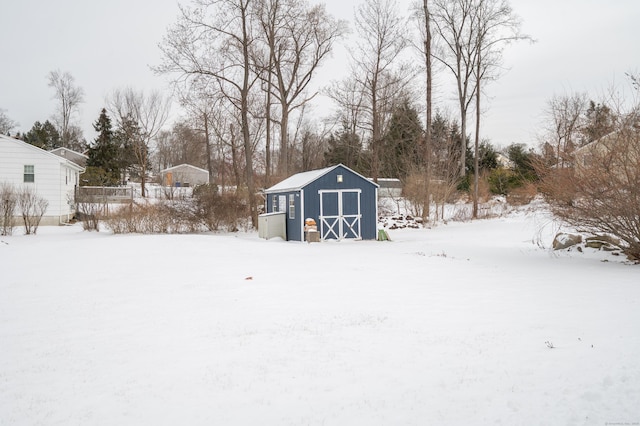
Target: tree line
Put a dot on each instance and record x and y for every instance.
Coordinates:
(243, 72)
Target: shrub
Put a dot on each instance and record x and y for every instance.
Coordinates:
(90, 212)
(522, 195)
(32, 208)
(502, 181)
(217, 211)
(601, 194)
(8, 203)
(160, 218)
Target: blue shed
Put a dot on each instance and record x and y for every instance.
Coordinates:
(343, 203)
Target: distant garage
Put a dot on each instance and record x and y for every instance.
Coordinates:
(184, 175)
(343, 203)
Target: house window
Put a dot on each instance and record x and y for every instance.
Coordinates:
(292, 206)
(29, 173)
(274, 203)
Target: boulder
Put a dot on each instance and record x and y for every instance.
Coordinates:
(607, 239)
(563, 240)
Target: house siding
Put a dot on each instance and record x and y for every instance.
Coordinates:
(54, 179)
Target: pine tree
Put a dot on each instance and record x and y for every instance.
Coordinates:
(43, 136)
(401, 150)
(104, 153)
(131, 146)
(344, 147)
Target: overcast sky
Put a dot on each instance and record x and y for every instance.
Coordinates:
(582, 45)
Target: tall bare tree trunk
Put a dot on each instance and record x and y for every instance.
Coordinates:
(207, 142)
(427, 132)
(476, 171)
(284, 140)
(375, 132)
(244, 112)
(268, 134)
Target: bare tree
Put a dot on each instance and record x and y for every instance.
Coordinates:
(377, 69)
(6, 123)
(298, 37)
(349, 97)
(423, 17)
(428, 109)
(564, 121)
(198, 101)
(601, 193)
(69, 97)
(596, 188)
(183, 144)
(456, 26)
(496, 27)
(213, 40)
(148, 112)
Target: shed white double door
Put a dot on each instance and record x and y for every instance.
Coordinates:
(340, 215)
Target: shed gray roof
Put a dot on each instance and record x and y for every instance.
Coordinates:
(300, 180)
(179, 166)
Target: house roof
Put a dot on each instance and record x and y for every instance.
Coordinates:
(300, 180)
(603, 139)
(184, 165)
(76, 157)
(60, 151)
(40, 151)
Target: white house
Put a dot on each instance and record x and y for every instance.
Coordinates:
(52, 177)
(184, 175)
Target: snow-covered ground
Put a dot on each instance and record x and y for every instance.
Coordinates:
(443, 326)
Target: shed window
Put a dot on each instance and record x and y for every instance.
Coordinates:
(29, 173)
(274, 203)
(292, 206)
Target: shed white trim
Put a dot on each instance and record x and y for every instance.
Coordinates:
(338, 225)
(300, 180)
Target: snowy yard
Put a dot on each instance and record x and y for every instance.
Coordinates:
(445, 326)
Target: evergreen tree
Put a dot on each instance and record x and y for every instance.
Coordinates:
(344, 147)
(131, 145)
(104, 154)
(523, 161)
(445, 140)
(401, 149)
(487, 161)
(487, 156)
(598, 122)
(43, 136)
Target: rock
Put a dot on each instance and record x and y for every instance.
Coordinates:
(595, 244)
(605, 239)
(563, 240)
